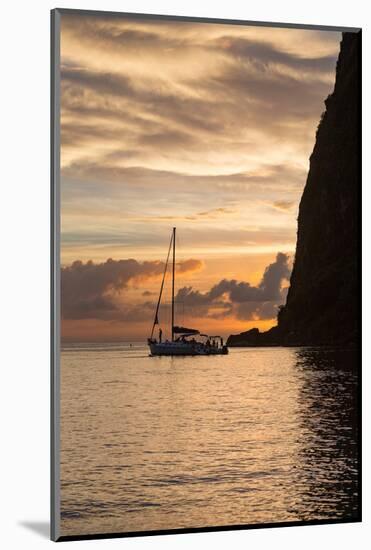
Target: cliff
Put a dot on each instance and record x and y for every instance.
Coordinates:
(254, 337)
(321, 305)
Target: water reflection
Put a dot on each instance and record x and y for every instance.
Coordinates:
(327, 461)
(259, 436)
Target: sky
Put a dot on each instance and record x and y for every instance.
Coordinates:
(206, 127)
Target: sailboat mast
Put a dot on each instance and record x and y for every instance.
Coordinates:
(173, 288)
(155, 321)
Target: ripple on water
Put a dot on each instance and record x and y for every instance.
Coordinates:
(260, 435)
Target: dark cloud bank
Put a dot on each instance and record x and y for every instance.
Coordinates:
(240, 299)
(90, 291)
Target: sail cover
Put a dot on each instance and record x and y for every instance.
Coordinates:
(184, 330)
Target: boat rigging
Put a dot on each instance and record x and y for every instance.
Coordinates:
(183, 341)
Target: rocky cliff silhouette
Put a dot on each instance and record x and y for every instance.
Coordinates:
(322, 302)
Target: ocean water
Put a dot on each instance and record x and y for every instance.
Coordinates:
(262, 435)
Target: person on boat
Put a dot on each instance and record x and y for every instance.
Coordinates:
(160, 335)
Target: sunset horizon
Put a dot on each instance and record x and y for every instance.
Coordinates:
(208, 128)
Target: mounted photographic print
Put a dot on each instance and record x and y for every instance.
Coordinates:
(206, 190)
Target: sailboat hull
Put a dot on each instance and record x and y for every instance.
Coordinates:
(184, 348)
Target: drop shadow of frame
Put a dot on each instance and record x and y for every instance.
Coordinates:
(42, 528)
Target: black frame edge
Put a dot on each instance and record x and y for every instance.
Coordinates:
(359, 261)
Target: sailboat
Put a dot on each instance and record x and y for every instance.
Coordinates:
(183, 341)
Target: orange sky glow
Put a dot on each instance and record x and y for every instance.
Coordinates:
(206, 127)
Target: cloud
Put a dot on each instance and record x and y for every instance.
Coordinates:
(101, 82)
(274, 274)
(126, 36)
(90, 290)
(236, 98)
(283, 205)
(216, 212)
(268, 177)
(94, 291)
(189, 265)
(264, 55)
(239, 298)
(208, 87)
